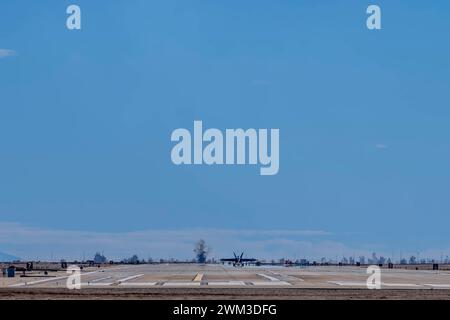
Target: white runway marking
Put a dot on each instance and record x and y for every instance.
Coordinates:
(130, 278)
(297, 278)
(46, 280)
(138, 284)
(96, 284)
(181, 284)
(271, 283)
(400, 285)
(364, 284)
(268, 277)
(37, 282)
(99, 279)
(349, 283)
(445, 286)
(227, 283)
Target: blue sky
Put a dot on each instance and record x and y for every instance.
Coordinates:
(86, 118)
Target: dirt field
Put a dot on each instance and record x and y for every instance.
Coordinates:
(222, 293)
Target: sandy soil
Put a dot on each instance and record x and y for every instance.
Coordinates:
(222, 293)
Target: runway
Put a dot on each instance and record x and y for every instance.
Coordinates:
(219, 276)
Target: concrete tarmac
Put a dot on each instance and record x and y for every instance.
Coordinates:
(219, 278)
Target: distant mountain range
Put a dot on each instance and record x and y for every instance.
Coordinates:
(4, 257)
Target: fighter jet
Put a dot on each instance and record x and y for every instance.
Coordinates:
(238, 261)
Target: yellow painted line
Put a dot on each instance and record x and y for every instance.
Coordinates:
(198, 277)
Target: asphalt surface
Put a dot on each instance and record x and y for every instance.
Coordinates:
(193, 276)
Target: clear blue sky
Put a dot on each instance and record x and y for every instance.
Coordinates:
(86, 117)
